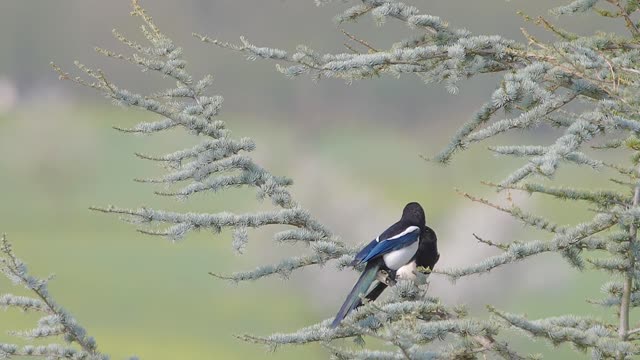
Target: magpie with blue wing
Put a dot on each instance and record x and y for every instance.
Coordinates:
(398, 251)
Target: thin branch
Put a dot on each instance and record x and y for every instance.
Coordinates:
(360, 41)
(633, 331)
(625, 301)
(627, 19)
(490, 243)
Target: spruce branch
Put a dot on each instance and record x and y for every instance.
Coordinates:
(521, 215)
(541, 84)
(405, 322)
(563, 241)
(56, 322)
(627, 19)
(217, 163)
(603, 198)
(583, 333)
(585, 87)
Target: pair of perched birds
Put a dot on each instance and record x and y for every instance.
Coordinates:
(398, 251)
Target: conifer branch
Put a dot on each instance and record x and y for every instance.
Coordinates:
(56, 321)
(583, 333)
(526, 218)
(391, 322)
(625, 301)
(541, 81)
(563, 241)
(623, 12)
(218, 162)
(604, 198)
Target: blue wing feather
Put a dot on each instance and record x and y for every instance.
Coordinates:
(363, 253)
(388, 246)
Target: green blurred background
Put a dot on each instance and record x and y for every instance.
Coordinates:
(343, 144)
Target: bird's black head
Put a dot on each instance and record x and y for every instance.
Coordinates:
(413, 214)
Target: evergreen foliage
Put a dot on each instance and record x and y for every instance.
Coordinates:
(55, 324)
(217, 162)
(598, 72)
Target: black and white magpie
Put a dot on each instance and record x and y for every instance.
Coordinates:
(398, 251)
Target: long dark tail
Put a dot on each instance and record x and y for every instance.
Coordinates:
(362, 285)
(373, 294)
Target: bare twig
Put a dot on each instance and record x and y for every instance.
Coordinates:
(627, 19)
(490, 243)
(360, 41)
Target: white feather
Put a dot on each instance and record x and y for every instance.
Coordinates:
(405, 232)
(399, 258)
(407, 272)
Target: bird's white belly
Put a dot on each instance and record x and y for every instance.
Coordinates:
(399, 258)
(407, 272)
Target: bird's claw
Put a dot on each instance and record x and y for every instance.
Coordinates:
(386, 277)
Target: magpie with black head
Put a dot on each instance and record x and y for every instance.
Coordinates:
(398, 251)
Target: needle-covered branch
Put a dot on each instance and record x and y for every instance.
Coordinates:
(218, 162)
(583, 87)
(563, 241)
(408, 321)
(539, 79)
(56, 323)
(583, 333)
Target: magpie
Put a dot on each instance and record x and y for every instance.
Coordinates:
(398, 251)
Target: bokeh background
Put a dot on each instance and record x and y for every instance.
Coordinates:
(352, 149)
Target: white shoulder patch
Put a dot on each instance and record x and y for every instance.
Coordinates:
(410, 229)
